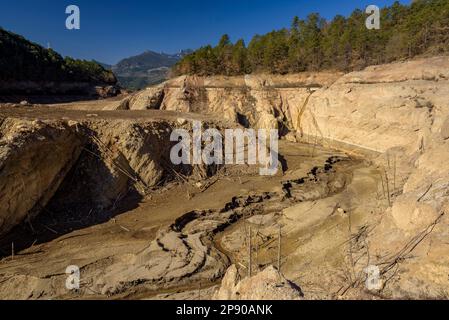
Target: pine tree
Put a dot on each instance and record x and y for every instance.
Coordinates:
(239, 58)
(342, 43)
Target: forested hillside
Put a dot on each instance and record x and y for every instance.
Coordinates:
(22, 60)
(342, 44)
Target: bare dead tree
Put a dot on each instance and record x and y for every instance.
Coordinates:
(279, 248)
(249, 252)
(388, 188)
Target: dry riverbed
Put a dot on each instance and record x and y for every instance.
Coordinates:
(179, 241)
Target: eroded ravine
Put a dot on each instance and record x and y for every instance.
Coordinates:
(161, 246)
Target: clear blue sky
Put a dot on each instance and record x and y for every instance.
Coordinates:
(115, 29)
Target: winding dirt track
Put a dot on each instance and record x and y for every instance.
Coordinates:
(66, 112)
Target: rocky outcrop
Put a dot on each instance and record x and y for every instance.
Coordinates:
(399, 111)
(268, 284)
(379, 108)
(34, 159)
(383, 107)
(179, 255)
(82, 165)
(254, 101)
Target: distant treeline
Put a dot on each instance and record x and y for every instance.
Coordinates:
(341, 44)
(22, 60)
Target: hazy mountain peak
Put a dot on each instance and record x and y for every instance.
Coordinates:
(147, 68)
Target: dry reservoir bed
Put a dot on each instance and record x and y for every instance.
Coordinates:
(138, 228)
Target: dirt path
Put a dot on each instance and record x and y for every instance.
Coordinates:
(69, 112)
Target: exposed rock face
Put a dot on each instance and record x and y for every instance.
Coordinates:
(397, 105)
(179, 254)
(379, 108)
(106, 91)
(152, 99)
(254, 101)
(398, 112)
(81, 165)
(34, 159)
(266, 285)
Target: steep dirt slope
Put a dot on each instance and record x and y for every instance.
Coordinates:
(104, 159)
(254, 101)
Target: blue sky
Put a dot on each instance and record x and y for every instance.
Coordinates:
(115, 29)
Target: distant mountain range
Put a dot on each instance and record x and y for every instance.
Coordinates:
(22, 62)
(146, 69)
